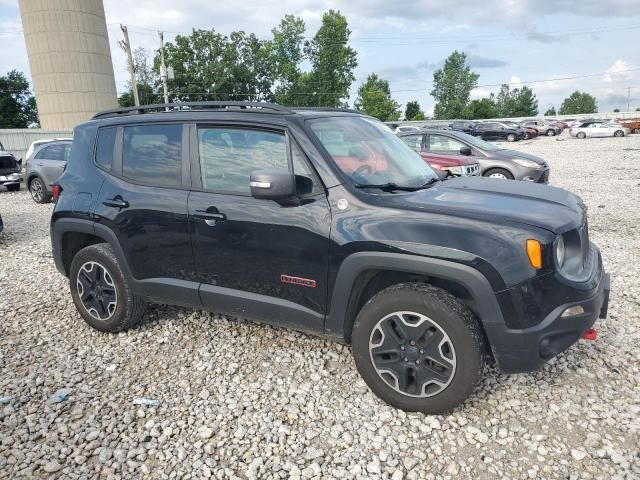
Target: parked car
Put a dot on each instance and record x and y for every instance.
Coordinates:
(451, 165)
(462, 126)
(10, 171)
(272, 215)
(599, 129)
(528, 132)
(632, 124)
(40, 142)
(407, 128)
(543, 128)
(497, 131)
(495, 161)
(1, 224)
(44, 166)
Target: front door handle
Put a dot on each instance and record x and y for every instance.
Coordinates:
(210, 216)
(116, 202)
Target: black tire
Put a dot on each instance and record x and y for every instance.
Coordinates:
(500, 173)
(129, 308)
(581, 135)
(618, 133)
(551, 132)
(526, 136)
(636, 130)
(39, 191)
(13, 188)
(511, 137)
(457, 327)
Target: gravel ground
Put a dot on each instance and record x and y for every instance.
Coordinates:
(240, 400)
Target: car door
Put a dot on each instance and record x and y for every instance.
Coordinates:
(143, 202)
(49, 163)
(258, 258)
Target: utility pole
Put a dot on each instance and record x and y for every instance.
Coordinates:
(126, 46)
(628, 98)
(163, 71)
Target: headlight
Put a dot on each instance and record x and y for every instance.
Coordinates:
(527, 163)
(559, 252)
(14, 176)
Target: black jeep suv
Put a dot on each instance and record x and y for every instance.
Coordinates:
(324, 221)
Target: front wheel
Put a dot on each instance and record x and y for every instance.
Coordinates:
(101, 292)
(618, 133)
(418, 348)
(38, 191)
(581, 135)
(499, 173)
(511, 137)
(551, 132)
(636, 130)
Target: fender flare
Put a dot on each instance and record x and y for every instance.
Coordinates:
(486, 307)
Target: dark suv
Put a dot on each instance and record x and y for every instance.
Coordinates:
(324, 221)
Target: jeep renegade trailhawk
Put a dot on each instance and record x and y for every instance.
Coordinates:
(324, 221)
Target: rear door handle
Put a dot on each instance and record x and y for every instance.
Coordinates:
(210, 218)
(116, 202)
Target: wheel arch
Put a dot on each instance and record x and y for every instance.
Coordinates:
(364, 274)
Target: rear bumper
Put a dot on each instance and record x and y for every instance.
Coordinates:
(527, 349)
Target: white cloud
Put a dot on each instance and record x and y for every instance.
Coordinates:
(619, 71)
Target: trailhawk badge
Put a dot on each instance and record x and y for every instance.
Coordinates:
(303, 282)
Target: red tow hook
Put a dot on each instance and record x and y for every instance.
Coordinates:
(590, 334)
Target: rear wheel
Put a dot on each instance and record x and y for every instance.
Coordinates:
(551, 132)
(581, 135)
(418, 348)
(618, 133)
(100, 290)
(636, 130)
(511, 137)
(38, 191)
(499, 173)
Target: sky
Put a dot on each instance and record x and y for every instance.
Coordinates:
(554, 47)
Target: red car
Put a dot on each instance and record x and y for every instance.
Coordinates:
(452, 165)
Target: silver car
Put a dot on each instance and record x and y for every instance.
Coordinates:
(44, 166)
(543, 128)
(599, 129)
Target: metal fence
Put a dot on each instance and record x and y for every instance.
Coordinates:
(17, 141)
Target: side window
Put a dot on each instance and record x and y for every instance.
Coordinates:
(52, 152)
(440, 143)
(104, 147)
(67, 152)
(306, 182)
(228, 156)
(414, 141)
(152, 154)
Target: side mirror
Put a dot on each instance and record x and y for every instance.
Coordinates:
(20, 162)
(465, 150)
(272, 184)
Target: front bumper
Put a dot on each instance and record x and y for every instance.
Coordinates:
(527, 349)
(11, 179)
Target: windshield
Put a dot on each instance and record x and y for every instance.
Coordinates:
(476, 142)
(369, 153)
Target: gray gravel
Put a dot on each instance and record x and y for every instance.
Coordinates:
(240, 400)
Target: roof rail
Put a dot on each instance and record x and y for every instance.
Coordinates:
(189, 106)
(329, 109)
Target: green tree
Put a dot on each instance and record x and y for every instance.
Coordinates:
(287, 53)
(17, 105)
(413, 111)
(212, 66)
(480, 109)
(332, 63)
(519, 102)
(578, 102)
(374, 98)
(452, 86)
(550, 112)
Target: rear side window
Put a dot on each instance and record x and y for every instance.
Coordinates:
(228, 156)
(152, 154)
(441, 143)
(414, 141)
(51, 152)
(104, 147)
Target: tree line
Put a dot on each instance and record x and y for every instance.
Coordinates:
(295, 70)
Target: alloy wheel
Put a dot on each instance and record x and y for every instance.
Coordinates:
(37, 190)
(97, 291)
(412, 354)
(501, 176)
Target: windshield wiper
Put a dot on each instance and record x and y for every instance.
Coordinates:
(386, 187)
(430, 182)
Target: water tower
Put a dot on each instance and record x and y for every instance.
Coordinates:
(68, 49)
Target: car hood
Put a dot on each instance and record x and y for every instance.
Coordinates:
(511, 154)
(498, 201)
(8, 164)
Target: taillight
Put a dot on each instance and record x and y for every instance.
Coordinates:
(57, 190)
